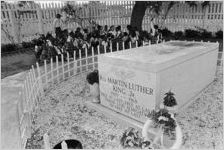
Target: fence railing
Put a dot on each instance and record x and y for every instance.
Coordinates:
(39, 78)
(24, 23)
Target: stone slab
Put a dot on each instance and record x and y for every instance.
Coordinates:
(116, 116)
(134, 82)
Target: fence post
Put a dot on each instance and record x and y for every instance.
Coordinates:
(93, 58)
(75, 62)
(64, 145)
(40, 22)
(14, 26)
(62, 65)
(52, 72)
(117, 46)
(58, 77)
(40, 80)
(111, 46)
(105, 49)
(68, 62)
(98, 50)
(86, 59)
(45, 71)
(205, 19)
(46, 141)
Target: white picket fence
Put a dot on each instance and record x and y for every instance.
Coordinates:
(38, 18)
(38, 80)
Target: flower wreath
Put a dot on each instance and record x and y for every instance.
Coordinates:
(163, 118)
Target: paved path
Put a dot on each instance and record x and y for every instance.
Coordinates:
(10, 88)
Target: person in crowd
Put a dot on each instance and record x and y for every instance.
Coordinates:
(57, 25)
(136, 32)
(65, 21)
(129, 29)
(85, 34)
(78, 33)
(155, 33)
(118, 32)
(82, 39)
(112, 30)
(126, 39)
(144, 38)
(133, 37)
(105, 29)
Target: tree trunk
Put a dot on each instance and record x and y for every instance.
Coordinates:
(138, 14)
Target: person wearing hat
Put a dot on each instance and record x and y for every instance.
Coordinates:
(57, 24)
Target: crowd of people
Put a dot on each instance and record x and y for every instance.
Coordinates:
(102, 37)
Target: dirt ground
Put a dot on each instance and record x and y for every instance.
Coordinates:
(63, 115)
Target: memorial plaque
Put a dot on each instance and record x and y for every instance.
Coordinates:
(127, 91)
(133, 82)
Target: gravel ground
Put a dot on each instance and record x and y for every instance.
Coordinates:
(202, 121)
(63, 115)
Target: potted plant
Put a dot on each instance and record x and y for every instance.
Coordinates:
(163, 127)
(170, 102)
(93, 80)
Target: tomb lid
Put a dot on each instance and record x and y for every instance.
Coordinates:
(159, 56)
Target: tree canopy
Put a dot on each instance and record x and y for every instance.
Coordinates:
(140, 7)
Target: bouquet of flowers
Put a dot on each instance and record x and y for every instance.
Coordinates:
(132, 139)
(169, 100)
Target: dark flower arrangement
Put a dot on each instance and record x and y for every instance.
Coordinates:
(132, 139)
(93, 77)
(169, 100)
(162, 118)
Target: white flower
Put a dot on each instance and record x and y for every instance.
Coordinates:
(36, 48)
(163, 118)
(171, 115)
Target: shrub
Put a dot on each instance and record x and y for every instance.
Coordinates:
(27, 44)
(178, 34)
(206, 34)
(219, 34)
(166, 33)
(6, 48)
(189, 33)
(93, 77)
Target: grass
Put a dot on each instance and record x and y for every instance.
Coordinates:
(16, 63)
